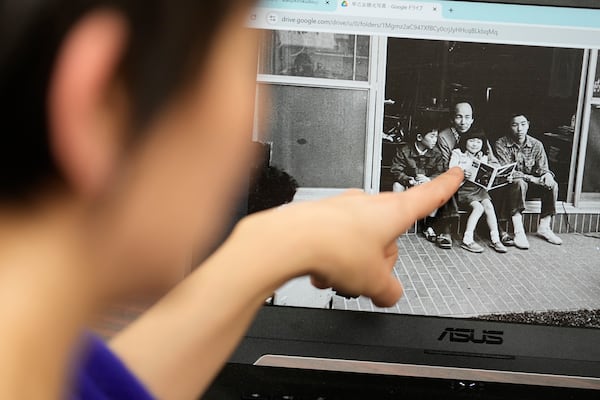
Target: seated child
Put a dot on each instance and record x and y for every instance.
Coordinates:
(417, 161)
(474, 145)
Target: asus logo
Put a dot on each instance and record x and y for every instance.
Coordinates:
(458, 335)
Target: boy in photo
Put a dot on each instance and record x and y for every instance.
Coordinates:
(532, 177)
(418, 162)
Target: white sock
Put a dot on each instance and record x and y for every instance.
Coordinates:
(517, 221)
(468, 237)
(545, 223)
(495, 236)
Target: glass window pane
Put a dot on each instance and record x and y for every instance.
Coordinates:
(597, 80)
(315, 54)
(363, 47)
(591, 177)
(318, 134)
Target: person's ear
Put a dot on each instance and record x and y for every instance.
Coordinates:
(87, 113)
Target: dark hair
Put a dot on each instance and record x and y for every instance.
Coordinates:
(168, 40)
(272, 187)
(474, 133)
(518, 114)
(424, 124)
(269, 186)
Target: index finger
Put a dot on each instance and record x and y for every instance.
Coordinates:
(417, 202)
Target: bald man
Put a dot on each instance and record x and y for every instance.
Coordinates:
(461, 121)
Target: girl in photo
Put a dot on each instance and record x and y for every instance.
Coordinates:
(474, 146)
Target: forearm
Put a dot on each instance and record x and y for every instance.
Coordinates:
(502, 156)
(347, 242)
(543, 169)
(179, 345)
(398, 169)
(403, 178)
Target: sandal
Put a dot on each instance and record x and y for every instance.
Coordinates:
(506, 239)
(444, 241)
(430, 235)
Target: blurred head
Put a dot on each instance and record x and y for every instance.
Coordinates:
(123, 109)
(462, 117)
(474, 141)
(519, 126)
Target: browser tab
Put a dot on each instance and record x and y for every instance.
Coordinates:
(393, 9)
(304, 5)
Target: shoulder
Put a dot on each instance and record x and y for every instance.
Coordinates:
(405, 148)
(435, 153)
(503, 141)
(457, 153)
(445, 134)
(534, 142)
(101, 374)
(403, 152)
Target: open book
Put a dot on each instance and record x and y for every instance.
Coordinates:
(489, 176)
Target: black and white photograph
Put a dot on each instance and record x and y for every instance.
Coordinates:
(426, 79)
(498, 249)
(496, 106)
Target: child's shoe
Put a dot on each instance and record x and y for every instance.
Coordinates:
(549, 236)
(521, 241)
(429, 234)
(473, 247)
(506, 239)
(444, 241)
(498, 247)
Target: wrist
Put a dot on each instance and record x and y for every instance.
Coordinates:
(270, 248)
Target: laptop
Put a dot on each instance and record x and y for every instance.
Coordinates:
(348, 84)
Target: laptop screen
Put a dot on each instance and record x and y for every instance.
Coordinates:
(383, 95)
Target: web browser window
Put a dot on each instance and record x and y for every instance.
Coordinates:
(348, 91)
